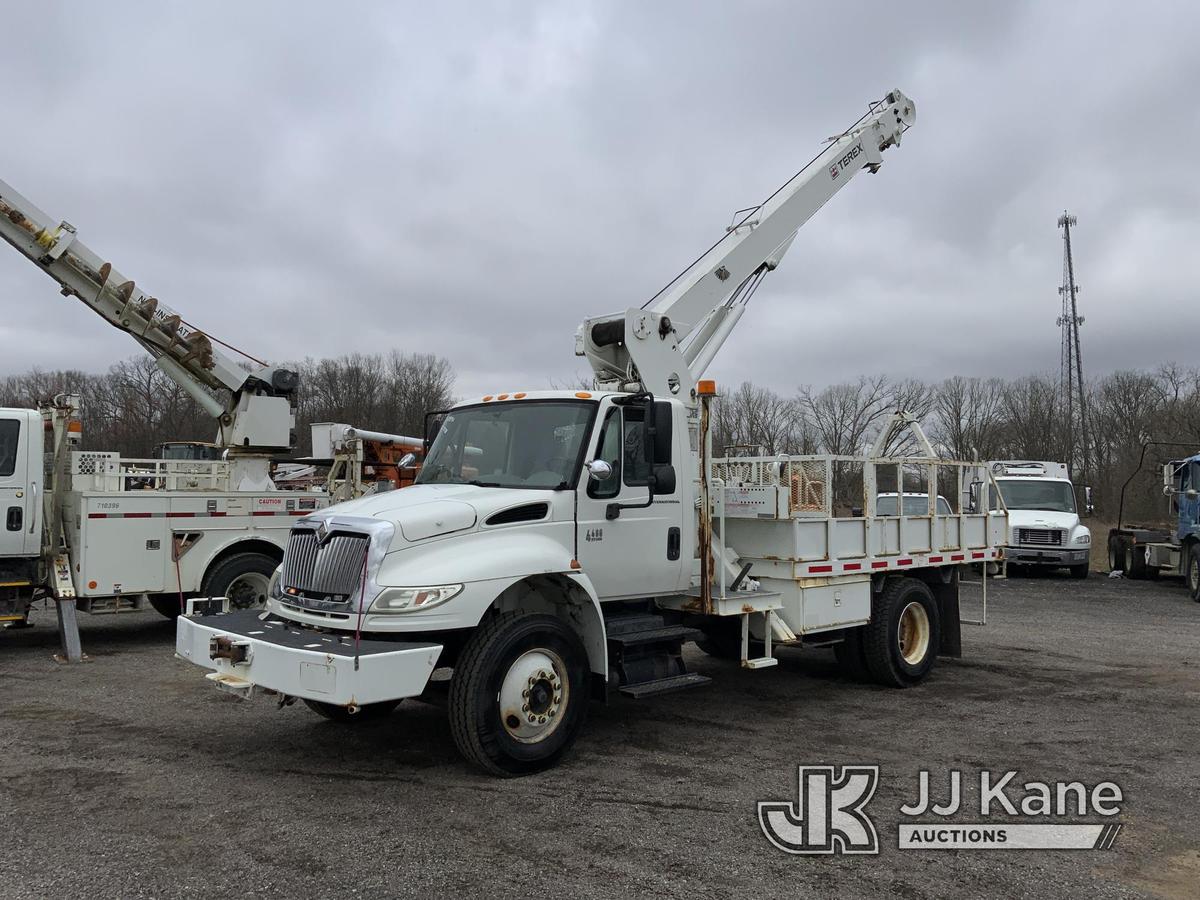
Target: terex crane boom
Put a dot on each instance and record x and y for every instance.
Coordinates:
(255, 421)
(664, 346)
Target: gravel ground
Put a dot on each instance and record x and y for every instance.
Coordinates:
(129, 776)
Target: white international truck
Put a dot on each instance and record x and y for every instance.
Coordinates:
(101, 533)
(1043, 516)
(561, 545)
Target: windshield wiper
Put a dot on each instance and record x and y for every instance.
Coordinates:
(483, 483)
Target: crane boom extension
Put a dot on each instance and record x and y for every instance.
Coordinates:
(257, 415)
(665, 346)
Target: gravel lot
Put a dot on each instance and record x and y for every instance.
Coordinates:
(130, 776)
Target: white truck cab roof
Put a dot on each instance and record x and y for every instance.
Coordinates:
(1026, 468)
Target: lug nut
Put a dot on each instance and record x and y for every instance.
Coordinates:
(532, 718)
(541, 720)
(525, 708)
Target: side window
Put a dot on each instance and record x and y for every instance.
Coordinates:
(637, 469)
(609, 450)
(10, 434)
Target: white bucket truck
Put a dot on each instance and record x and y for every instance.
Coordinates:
(562, 545)
(1043, 516)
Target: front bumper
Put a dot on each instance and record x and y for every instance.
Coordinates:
(1046, 556)
(245, 651)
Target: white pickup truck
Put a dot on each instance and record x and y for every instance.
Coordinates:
(1043, 516)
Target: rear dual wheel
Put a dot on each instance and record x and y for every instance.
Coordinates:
(900, 643)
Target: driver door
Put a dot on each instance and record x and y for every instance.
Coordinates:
(637, 554)
(20, 481)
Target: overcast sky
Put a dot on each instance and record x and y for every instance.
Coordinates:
(471, 180)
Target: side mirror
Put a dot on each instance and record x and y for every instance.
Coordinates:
(407, 460)
(973, 496)
(656, 425)
(1089, 505)
(598, 470)
(664, 479)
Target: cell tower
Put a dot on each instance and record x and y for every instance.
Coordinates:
(1072, 395)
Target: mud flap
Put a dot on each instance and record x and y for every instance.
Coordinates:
(946, 595)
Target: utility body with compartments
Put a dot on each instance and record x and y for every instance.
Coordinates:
(1043, 516)
(560, 546)
(1149, 551)
(101, 533)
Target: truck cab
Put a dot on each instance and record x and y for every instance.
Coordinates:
(21, 490)
(1043, 515)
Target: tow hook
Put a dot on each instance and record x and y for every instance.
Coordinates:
(237, 652)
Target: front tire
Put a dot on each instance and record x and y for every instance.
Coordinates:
(166, 605)
(243, 577)
(519, 694)
(1079, 571)
(1192, 572)
(901, 641)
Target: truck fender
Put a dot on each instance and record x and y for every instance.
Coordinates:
(570, 597)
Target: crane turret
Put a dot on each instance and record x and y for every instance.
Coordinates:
(665, 345)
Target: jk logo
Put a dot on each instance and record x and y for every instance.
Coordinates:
(827, 816)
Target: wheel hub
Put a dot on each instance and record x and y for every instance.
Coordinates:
(912, 633)
(533, 695)
(248, 591)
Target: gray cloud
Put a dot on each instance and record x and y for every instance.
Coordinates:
(303, 180)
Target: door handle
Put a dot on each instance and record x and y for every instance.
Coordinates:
(33, 499)
(13, 521)
(672, 543)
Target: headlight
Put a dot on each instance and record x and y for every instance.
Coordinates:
(1083, 539)
(273, 584)
(395, 599)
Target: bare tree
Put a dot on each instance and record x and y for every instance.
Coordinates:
(845, 417)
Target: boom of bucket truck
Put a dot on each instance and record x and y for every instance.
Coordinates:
(103, 533)
(564, 545)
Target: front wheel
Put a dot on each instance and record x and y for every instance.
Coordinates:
(1192, 572)
(168, 605)
(518, 697)
(901, 641)
(1079, 571)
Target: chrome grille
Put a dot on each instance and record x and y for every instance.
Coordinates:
(1040, 537)
(332, 569)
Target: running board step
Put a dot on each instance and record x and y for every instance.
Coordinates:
(664, 685)
(656, 635)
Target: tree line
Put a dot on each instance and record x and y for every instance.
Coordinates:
(134, 406)
(988, 418)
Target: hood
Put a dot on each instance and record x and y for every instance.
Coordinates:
(423, 511)
(1041, 518)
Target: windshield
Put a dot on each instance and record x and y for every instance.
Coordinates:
(530, 444)
(1052, 496)
(914, 505)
